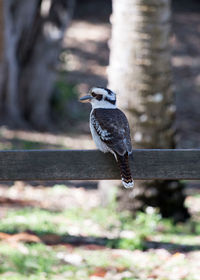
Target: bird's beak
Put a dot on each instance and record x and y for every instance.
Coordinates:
(86, 98)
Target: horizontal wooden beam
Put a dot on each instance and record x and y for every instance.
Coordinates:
(94, 165)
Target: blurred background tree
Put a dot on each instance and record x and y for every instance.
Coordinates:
(33, 38)
(140, 73)
(1, 42)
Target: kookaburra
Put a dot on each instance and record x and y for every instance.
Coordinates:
(110, 129)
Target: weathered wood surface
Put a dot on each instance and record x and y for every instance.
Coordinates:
(94, 165)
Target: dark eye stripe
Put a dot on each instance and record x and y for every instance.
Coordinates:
(99, 96)
(111, 101)
(93, 94)
(109, 91)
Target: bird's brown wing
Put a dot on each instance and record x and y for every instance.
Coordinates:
(113, 129)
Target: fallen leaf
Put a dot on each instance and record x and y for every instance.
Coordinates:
(4, 235)
(22, 236)
(99, 272)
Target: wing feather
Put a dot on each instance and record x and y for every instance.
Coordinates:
(113, 129)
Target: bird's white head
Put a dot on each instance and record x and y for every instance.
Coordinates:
(100, 97)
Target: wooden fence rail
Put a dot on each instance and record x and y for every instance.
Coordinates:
(94, 165)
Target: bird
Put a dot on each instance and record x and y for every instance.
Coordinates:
(110, 129)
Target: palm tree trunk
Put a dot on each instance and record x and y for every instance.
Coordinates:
(140, 73)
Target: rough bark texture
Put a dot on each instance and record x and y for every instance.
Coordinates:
(33, 35)
(140, 73)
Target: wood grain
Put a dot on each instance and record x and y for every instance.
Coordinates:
(94, 165)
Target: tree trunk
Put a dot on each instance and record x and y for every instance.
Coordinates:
(140, 73)
(33, 37)
(1, 31)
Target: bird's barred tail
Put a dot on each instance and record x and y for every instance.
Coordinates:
(123, 163)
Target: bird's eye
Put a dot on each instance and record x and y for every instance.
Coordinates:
(93, 94)
(99, 97)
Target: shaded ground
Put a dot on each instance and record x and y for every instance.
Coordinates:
(61, 233)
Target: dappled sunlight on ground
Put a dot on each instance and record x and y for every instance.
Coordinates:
(34, 140)
(57, 198)
(64, 233)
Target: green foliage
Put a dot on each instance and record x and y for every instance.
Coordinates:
(39, 261)
(32, 259)
(30, 145)
(131, 232)
(65, 92)
(129, 244)
(37, 220)
(65, 106)
(64, 101)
